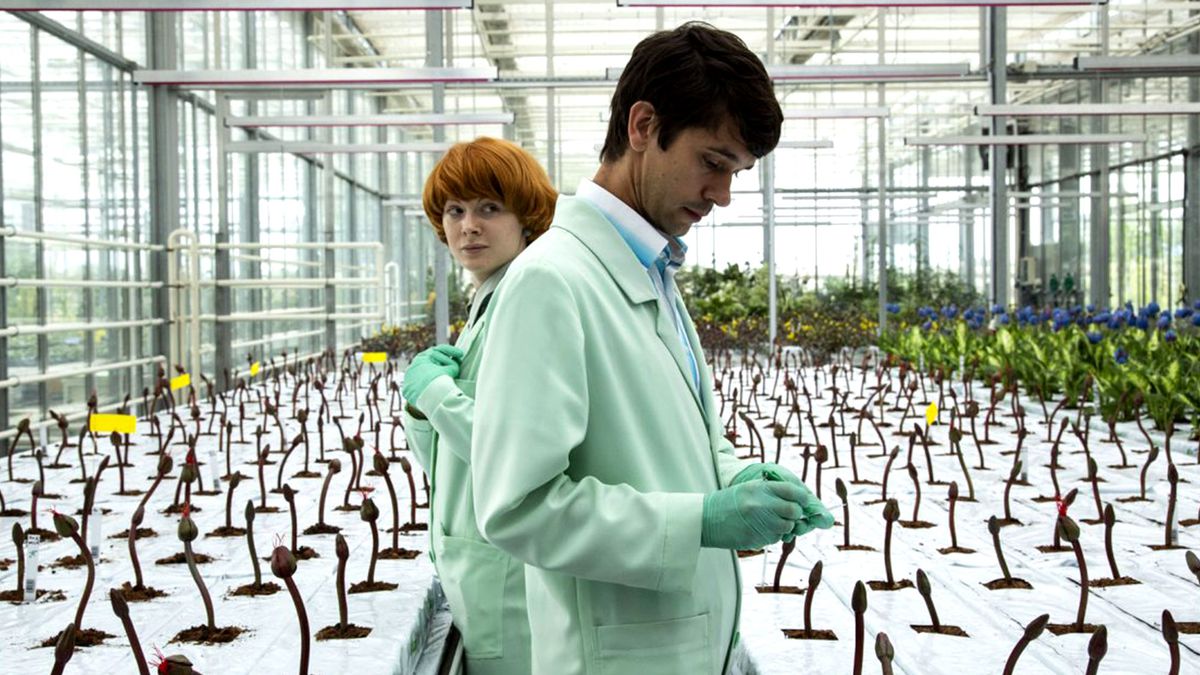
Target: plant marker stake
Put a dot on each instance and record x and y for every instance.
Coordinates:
(814, 580)
(121, 609)
(283, 565)
(1171, 634)
(1097, 648)
(64, 649)
(1032, 632)
(885, 653)
(858, 602)
(33, 545)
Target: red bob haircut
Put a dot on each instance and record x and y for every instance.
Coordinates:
(490, 168)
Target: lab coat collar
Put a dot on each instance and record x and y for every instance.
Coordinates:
(589, 224)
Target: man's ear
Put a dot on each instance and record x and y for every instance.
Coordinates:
(642, 126)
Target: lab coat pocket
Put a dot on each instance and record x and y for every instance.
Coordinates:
(673, 646)
(473, 575)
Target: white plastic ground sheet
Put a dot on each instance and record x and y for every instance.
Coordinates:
(271, 643)
(994, 620)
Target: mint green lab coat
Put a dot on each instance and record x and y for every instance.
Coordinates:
(485, 587)
(592, 454)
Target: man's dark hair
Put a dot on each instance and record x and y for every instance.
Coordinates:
(695, 76)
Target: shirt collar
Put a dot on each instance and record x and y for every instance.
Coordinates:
(652, 247)
(484, 290)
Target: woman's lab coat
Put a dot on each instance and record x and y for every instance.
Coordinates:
(597, 452)
(484, 585)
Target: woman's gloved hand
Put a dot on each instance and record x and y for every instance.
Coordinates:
(750, 515)
(428, 366)
(815, 514)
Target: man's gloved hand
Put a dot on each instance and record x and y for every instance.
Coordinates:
(815, 514)
(428, 366)
(750, 515)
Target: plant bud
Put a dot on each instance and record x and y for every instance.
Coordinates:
(234, 481)
(858, 601)
(187, 530)
(335, 466)
(953, 490)
(65, 645)
(814, 576)
(993, 526)
(1098, 645)
(891, 511)
(249, 512)
(138, 516)
(381, 463)
(165, 464)
(1067, 529)
(188, 473)
(1170, 631)
(840, 488)
(289, 495)
(38, 491)
(1110, 516)
(341, 548)
(1035, 627)
(923, 586)
(1172, 474)
(1070, 498)
(18, 535)
(65, 525)
(119, 605)
(912, 472)
(368, 512)
(405, 465)
(883, 648)
(283, 563)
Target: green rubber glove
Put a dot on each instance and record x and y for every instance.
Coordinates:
(425, 368)
(815, 514)
(750, 515)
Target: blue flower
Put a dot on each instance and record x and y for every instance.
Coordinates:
(1170, 336)
(1095, 338)
(1091, 308)
(1196, 305)
(1183, 313)
(1114, 323)
(1102, 317)
(1196, 320)
(1121, 356)
(1164, 321)
(1004, 320)
(1152, 309)
(927, 325)
(1143, 322)
(950, 311)
(999, 309)
(893, 307)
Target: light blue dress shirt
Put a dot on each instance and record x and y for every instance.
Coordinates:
(662, 256)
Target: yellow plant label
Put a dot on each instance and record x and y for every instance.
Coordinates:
(931, 414)
(181, 381)
(374, 357)
(106, 424)
(254, 369)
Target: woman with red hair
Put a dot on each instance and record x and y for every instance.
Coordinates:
(487, 200)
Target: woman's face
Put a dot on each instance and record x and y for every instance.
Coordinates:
(482, 234)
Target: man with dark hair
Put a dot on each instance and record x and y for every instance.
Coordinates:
(599, 457)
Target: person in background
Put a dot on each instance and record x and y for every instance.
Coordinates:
(486, 200)
(607, 470)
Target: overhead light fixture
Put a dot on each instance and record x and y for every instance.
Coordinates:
(902, 72)
(317, 77)
(413, 119)
(815, 144)
(1155, 63)
(848, 3)
(1027, 139)
(318, 148)
(228, 5)
(819, 113)
(1073, 109)
(869, 73)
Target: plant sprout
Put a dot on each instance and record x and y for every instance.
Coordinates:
(64, 648)
(1171, 634)
(858, 602)
(884, 650)
(67, 527)
(283, 565)
(1032, 632)
(1097, 648)
(121, 609)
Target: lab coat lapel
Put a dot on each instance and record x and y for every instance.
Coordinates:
(670, 338)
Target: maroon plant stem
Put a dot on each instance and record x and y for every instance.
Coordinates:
(1109, 520)
(953, 530)
(121, 609)
(134, 523)
(1032, 631)
(859, 627)
(387, 478)
(353, 473)
(208, 605)
(330, 471)
(887, 470)
(262, 482)
(887, 552)
(412, 491)
(1173, 479)
(374, 552)
(1171, 634)
(91, 577)
(788, 547)
(303, 618)
(343, 555)
(814, 580)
